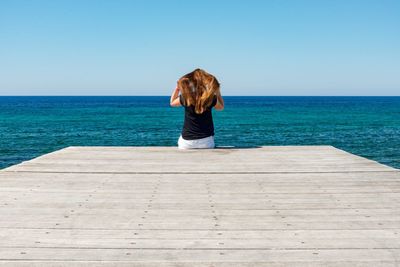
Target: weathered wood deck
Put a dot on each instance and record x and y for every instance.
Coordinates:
(158, 206)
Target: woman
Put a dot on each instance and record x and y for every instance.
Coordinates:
(199, 93)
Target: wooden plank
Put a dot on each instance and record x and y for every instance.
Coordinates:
(129, 263)
(55, 233)
(200, 212)
(193, 254)
(193, 167)
(221, 243)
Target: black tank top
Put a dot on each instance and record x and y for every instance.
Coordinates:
(197, 126)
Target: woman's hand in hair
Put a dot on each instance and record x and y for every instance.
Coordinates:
(174, 101)
(220, 101)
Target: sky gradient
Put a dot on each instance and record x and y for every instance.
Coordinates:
(265, 47)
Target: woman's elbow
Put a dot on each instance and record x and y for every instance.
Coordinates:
(174, 103)
(219, 107)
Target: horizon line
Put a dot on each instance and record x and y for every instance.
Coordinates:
(223, 95)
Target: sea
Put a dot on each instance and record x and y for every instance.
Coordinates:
(365, 126)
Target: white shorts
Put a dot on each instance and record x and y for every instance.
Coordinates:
(207, 142)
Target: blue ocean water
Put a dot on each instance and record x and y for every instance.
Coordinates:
(366, 126)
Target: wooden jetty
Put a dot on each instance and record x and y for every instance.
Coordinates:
(160, 206)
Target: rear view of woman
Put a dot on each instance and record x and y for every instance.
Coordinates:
(198, 92)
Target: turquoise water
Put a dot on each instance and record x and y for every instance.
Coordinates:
(366, 126)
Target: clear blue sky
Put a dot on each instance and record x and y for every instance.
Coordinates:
(266, 47)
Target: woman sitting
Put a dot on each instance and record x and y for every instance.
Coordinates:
(198, 92)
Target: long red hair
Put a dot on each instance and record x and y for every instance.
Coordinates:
(198, 89)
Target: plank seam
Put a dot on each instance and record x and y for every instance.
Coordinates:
(164, 172)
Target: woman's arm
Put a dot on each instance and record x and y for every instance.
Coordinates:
(220, 101)
(174, 101)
